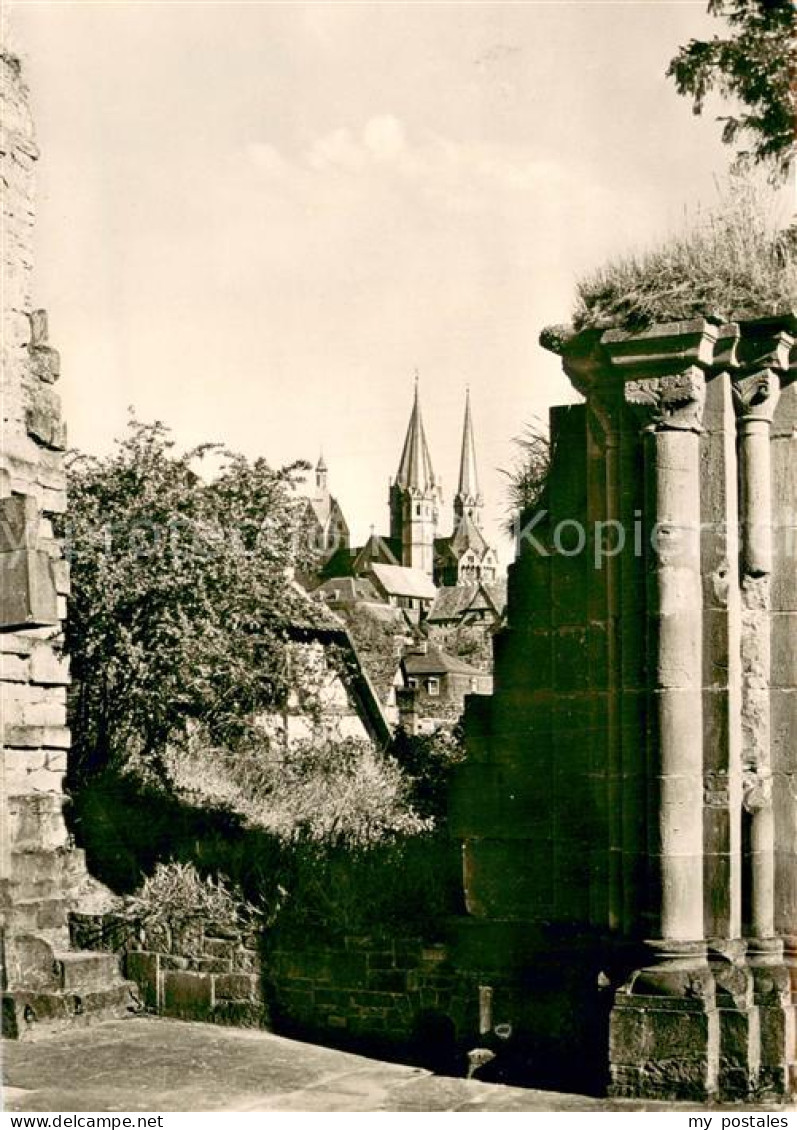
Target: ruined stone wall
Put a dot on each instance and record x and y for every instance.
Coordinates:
(41, 874)
(35, 583)
(627, 809)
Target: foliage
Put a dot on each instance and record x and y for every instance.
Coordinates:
(731, 262)
(175, 895)
(428, 759)
(409, 886)
(753, 65)
(323, 791)
(527, 476)
(180, 594)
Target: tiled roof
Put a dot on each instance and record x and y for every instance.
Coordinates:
(398, 580)
(455, 601)
(435, 661)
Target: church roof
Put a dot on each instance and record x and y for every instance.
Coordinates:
(466, 535)
(468, 485)
(415, 466)
(399, 580)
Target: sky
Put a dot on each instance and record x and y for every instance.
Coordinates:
(257, 220)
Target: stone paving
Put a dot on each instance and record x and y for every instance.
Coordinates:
(148, 1064)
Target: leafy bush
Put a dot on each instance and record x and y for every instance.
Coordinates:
(732, 261)
(427, 760)
(180, 595)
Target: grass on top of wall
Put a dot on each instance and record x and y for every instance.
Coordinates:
(731, 261)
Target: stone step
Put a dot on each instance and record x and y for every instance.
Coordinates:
(86, 971)
(32, 916)
(41, 875)
(28, 1014)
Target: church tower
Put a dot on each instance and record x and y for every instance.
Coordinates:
(415, 498)
(468, 500)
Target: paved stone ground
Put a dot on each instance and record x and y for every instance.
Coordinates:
(147, 1064)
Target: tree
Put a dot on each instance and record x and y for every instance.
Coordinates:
(180, 594)
(755, 65)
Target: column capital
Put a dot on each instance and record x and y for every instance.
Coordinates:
(755, 395)
(670, 403)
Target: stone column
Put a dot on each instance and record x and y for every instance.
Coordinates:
(756, 393)
(675, 990)
(672, 409)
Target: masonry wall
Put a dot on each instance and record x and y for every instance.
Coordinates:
(33, 675)
(41, 874)
(627, 808)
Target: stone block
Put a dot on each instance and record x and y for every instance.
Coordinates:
(14, 669)
(188, 996)
(27, 594)
(19, 523)
(209, 964)
(241, 1014)
(33, 737)
(218, 948)
(245, 961)
(236, 986)
(144, 969)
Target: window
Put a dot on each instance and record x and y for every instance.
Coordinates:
(433, 687)
(412, 683)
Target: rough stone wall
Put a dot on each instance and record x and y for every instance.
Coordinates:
(35, 581)
(627, 809)
(196, 972)
(41, 874)
(400, 995)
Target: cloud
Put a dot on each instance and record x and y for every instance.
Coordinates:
(448, 173)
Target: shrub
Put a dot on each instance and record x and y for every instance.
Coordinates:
(528, 476)
(732, 261)
(335, 792)
(175, 895)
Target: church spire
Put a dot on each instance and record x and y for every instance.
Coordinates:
(468, 499)
(415, 466)
(414, 498)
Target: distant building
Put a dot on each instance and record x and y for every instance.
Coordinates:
(432, 687)
(442, 589)
(465, 556)
(413, 544)
(324, 526)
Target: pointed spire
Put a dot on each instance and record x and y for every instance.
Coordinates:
(468, 475)
(321, 474)
(415, 466)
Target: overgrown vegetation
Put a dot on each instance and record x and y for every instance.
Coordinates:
(190, 796)
(731, 261)
(175, 895)
(337, 792)
(528, 474)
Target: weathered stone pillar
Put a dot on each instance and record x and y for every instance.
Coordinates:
(763, 356)
(676, 989)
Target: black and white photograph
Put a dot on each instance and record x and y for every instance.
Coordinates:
(398, 547)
